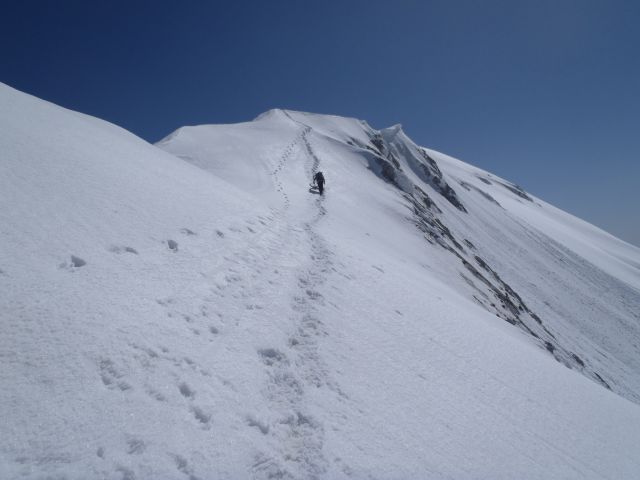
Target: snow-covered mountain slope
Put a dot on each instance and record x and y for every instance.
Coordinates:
(569, 285)
(216, 318)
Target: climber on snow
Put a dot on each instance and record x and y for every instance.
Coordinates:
(318, 179)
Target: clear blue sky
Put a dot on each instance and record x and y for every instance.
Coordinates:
(544, 93)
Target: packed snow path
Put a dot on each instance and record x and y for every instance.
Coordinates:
(299, 435)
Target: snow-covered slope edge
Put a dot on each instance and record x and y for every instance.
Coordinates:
(277, 335)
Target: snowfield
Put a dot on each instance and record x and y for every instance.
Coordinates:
(195, 310)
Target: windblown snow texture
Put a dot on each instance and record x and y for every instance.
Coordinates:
(193, 310)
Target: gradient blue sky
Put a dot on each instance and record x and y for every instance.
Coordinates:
(544, 93)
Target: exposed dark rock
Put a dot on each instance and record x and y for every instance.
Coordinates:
(434, 177)
(577, 359)
(377, 142)
(394, 160)
(470, 187)
(426, 199)
(516, 189)
(450, 194)
(427, 166)
(387, 171)
(431, 162)
(602, 381)
(535, 317)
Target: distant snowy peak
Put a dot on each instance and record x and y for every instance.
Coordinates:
(392, 131)
(273, 114)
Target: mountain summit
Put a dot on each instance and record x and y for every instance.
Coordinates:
(194, 309)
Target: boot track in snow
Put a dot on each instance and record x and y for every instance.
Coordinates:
(299, 435)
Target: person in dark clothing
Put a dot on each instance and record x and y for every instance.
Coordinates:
(318, 179)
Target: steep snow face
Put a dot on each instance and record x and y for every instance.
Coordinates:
(217, 318)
